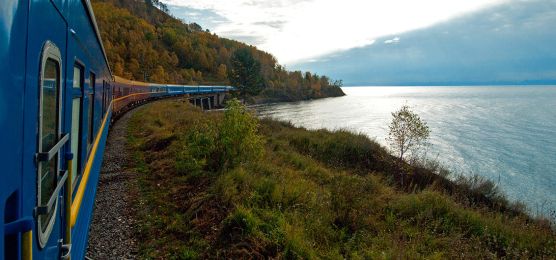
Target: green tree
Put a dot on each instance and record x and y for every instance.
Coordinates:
(245, 73)
(407, 132)
(238, 135)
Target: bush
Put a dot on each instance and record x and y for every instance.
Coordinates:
(221, 146)
(479, 187)
(342, 149)
(239, 139)
(197, 150)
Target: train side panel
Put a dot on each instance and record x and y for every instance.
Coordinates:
(13, 34)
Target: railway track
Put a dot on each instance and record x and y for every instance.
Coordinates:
(112, 233)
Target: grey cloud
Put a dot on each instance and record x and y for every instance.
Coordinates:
(245, 37)
(273, 3)
(263, 3)
(274, 24)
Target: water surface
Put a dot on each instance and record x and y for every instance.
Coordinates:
(505, 133)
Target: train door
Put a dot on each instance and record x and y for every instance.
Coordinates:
(46, 129)
(78, 96)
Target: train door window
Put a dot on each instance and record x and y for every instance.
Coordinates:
(49, 134)
(109, 95)
(90, 114)
(77, 103)
(103, 98)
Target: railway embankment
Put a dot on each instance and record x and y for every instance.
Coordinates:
(227, 185)
(113, 231)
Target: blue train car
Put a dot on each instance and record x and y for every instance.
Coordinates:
(54, 105)
(57, 96)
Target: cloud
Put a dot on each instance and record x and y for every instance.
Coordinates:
(273, 24)
(395, 40)
(295, 30)
(245, 37)
(207, 18)
(273, 4)
(511, 43)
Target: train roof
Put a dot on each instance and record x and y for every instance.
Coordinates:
(121, 80)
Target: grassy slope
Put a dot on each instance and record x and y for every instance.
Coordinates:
(314, 194)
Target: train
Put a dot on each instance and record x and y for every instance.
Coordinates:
(58, 97)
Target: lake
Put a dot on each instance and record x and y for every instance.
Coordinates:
(505, 133)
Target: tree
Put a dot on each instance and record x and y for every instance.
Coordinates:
(407, 132)
(202, 62)
(222, 72)
(245, 73)
(159, 75)
(118, 69)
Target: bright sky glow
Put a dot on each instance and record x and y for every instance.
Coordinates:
(298, 30)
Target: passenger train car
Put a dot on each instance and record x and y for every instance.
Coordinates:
(57, 98)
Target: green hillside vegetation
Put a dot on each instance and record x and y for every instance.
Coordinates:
(146, 44)
(226, 185)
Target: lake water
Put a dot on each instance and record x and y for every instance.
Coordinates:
(505, 133)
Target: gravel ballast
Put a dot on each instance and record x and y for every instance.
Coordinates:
(112, 233)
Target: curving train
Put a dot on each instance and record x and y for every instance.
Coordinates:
(57, 99)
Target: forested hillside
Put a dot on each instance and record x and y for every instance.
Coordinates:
(145, 43)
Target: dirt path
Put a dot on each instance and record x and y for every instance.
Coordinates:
(112, 234)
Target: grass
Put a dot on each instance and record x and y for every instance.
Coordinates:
(308, 194)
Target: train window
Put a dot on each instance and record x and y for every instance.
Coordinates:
(77, 103)
(49, 133)
(91, 111)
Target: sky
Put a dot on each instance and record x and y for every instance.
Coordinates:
(296, 31)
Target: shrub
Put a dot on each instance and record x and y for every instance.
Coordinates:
(343, 149)
(221, 146)
(239, 139)
(197, 150)
(480, 187)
